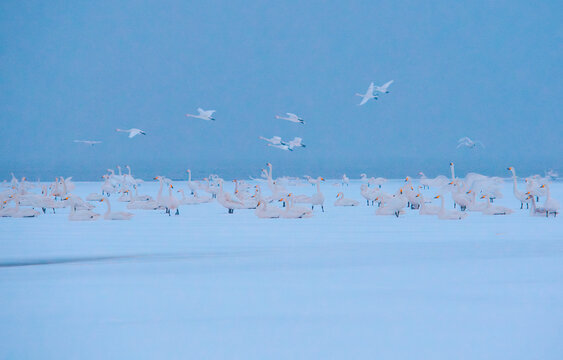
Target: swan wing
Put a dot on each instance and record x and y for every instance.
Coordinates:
(385, 86)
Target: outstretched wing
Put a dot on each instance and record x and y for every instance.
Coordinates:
(364, 100)
(464, 140)
(386, 85)
(293, 116)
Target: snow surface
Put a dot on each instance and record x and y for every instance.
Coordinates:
(345, 284)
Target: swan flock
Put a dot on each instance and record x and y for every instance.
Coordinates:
(447, 198)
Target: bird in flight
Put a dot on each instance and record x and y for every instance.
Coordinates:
(132, 132)
(291, 117)
(384, 88)
(281, 146)
(275, 140)
(296, 142)
(368, 95)
(467, 142)
(88, 142)
(203, 114)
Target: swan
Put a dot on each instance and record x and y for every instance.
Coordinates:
(318, 198)
(291, 117)
(467, 142)
(227, 201)
(88, 142)
(120, 215)
(449, 214)
(495, 209)
(474, 205)
(125, 196)
(550, 205)
(203, 114)
(438, 181)
(17, 212)
(369, 194)
(192, 185)
(264, 212)
(523, 198)
(132, 132)
(373, 181)
(274, 140)
(534, 210)
(461, 198)
(172, 203)
(82, 215)
(294, 212)
(384, 88)
(368, 95)
(342, 201)
(296, 142)
(426, 209)
(393, 205)
(107, 187)
(345, 180)
(195, 199)
(282, 147)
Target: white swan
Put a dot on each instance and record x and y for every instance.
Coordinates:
(345, 180)
(263, 211)
(294, 212)
(467, 142)
(392, 206)
(384, 88)
(522, 197)
(282, 147)
(81, 215)
(291, 117)
(203, 114)
(274, 140)
(369, 194)
(172, 203)
(296, 142)
(438, 181)
(491, 209)
(550, 205)
(342, 201)
(119, 215)
(449, 214)
(18, 212)
(318, 198)
(88, 142)
(426, 209)
(368, 95)
(132, 132)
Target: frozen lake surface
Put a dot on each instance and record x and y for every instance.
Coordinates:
(345, 284)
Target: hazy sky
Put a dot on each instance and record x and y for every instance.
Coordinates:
(490, 70)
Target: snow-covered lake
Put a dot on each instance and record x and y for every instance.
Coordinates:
(345, 284)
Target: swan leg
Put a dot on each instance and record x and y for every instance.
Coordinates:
(323, 208)
(522, 205)
(43, 210)
(177, 212)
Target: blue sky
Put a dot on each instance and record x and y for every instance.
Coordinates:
(490, 70)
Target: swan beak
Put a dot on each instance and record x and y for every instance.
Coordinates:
(436, 197)
(323, 179)
(542, 186)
